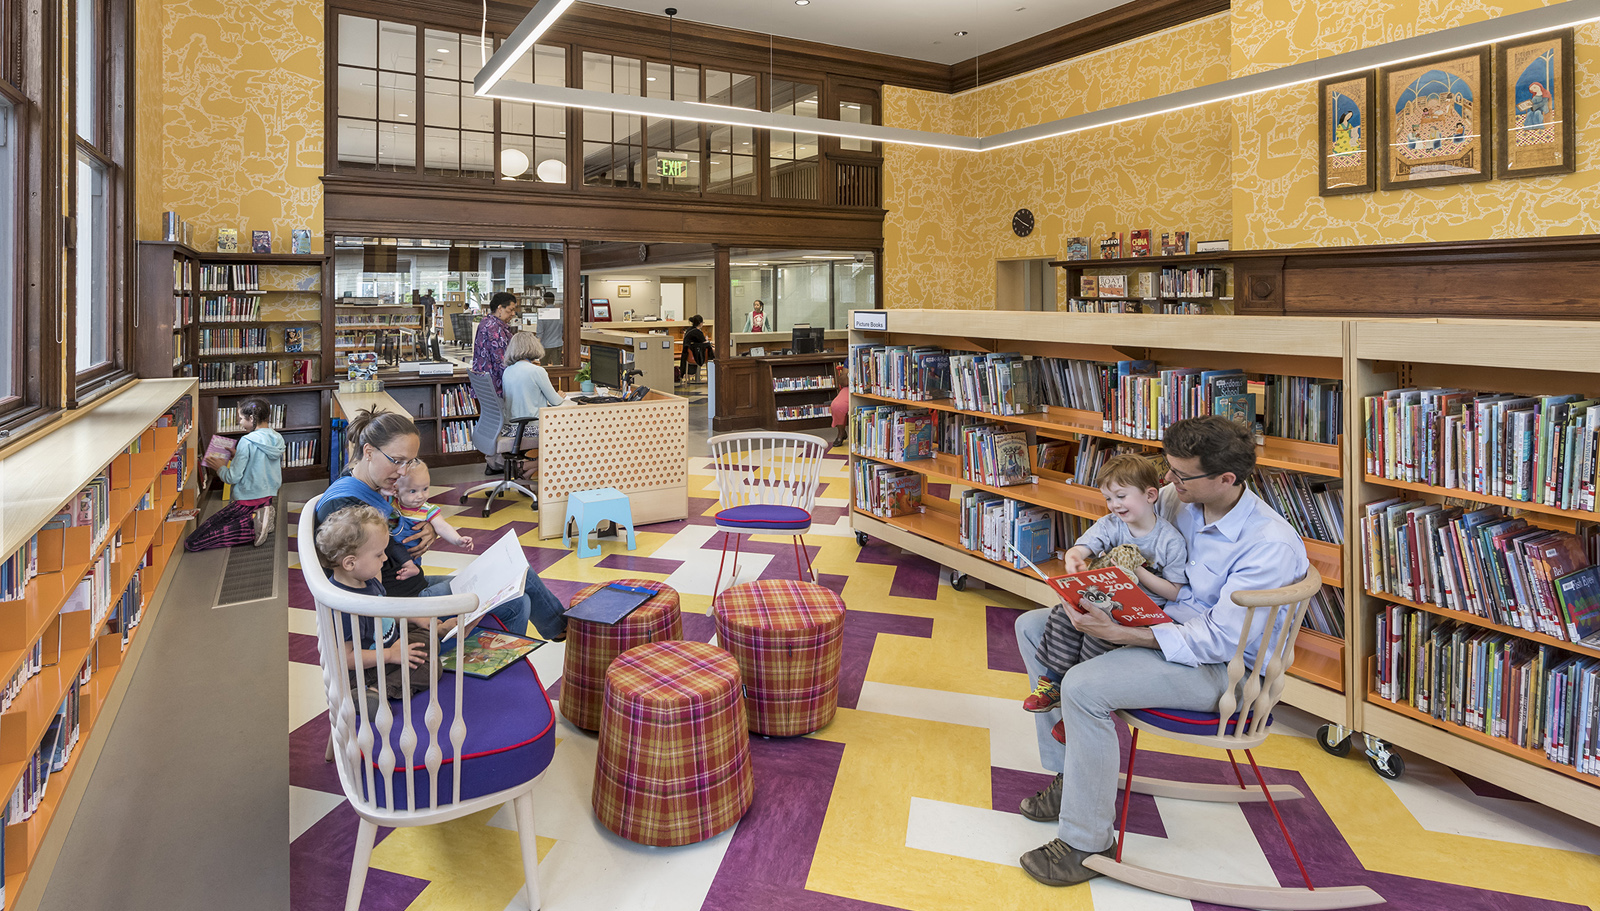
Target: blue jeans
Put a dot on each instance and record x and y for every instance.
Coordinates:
(536, 603)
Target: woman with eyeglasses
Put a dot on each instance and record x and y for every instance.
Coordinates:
(382, 445)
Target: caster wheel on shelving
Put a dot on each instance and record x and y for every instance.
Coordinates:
(861, 539)
(1390, 766)
(958, 581)
(1325, 739)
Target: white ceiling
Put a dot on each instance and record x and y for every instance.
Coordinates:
(919, 29)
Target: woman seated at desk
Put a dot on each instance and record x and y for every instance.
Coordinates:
(527, 389)
(696, 348)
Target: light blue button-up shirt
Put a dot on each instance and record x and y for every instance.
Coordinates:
(1250, 548)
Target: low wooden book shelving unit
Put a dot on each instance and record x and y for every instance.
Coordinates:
(39, 478)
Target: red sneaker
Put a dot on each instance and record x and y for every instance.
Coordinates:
(1045, 696)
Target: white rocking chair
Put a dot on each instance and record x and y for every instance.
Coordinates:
(1240, 723)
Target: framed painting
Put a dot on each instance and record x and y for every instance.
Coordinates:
(1535, 130)
(1434, 121)
(1346, 162)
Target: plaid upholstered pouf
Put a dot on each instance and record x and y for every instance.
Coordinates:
(674, 760)
(788, 638)
(591, 647)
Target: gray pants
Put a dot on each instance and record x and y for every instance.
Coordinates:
(1125, 678)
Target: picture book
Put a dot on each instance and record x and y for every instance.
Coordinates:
(227, 240)
(1113, 286)
(486, 652)
(901, 495)
(301, 373)
(361, 365)
(1088, 286)
(294, 340)
(1240, 408)
(1077, 248)
(1180, 242)
(1034, 535)
(1056, 455)
(1579, 596)
(1115, 585)
(1011, 459)
(1146, 286)
(261, 241)
(1139, 242)
(300, 240)
(496, 575)
(220, 446)
(610, 604)
(1111, 246)
(1167, 248)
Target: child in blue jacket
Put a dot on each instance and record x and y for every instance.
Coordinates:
(256, 473)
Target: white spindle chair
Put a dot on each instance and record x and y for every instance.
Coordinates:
(369, 750)
(1272, 618)
(766, 484)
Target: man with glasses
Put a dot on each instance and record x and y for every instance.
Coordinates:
(1236, 543)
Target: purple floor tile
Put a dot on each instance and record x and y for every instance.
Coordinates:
(1001, 627)
(632, 564)
(303, 648)
(1008, 787)
(769, 857)
(308, 765)
(914, 576)
(319, 869)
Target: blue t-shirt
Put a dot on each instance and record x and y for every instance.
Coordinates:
(349, 491)
(391, 629)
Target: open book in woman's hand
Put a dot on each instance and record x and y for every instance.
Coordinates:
(1114, 590)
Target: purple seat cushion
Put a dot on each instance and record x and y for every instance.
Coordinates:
(764, 517)
(1183, 721)
(510, 735)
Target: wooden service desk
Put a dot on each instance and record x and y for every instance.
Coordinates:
(641, 351)
(640, 448)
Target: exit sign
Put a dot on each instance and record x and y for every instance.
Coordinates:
(671, 167)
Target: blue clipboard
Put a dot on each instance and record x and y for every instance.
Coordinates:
(610, 604)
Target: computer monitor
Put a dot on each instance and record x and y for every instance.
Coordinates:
(605, 366)
(806, 339)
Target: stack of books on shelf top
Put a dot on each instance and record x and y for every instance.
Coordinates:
(1527, 449)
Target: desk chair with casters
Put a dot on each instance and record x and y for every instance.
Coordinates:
(766, 485)
(488, 436)
(1252, 702)
(693, 364)
(456, 746)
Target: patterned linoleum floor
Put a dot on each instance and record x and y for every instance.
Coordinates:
(908, 799)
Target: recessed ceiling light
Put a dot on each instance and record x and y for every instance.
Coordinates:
(961, 34)
(650, 79)
(405, 115)
(444, 50)
(802, 2)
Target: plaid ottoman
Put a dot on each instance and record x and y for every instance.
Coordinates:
(591, 647)
(674, 760)
(788, 638)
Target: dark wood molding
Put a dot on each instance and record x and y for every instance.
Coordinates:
(623, 255)
(1112, 27)
(384, 206)
(1258, 286)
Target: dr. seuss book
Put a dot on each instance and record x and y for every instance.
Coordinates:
(1112, 584)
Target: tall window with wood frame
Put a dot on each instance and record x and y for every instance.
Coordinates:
(377, 95)
(613, 144)
(10, 247)
(731, 164)
(99, 30)
(794, 173)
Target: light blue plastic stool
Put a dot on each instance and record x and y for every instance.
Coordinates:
(590, 508)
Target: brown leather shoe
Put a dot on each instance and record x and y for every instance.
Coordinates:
(1044, 806)
(1057, 863)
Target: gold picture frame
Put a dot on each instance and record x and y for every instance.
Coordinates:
(1346, 114)
(624, 290)
(1434, 119)
(1535, 127)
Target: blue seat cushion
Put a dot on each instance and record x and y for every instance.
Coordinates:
(510, 735)
(764, 517)
(1183, 721)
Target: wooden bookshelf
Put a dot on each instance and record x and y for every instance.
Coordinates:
(1259, 345)
(1525, 357)
(43, 476)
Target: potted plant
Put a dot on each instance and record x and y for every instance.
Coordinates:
(584, 383)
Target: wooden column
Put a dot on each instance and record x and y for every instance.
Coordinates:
(722, 327)
(572, 309)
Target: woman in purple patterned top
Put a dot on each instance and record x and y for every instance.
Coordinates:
(494, 333)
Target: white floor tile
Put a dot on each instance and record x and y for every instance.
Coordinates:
(307, 696)
(1012, 741)
(307, 807)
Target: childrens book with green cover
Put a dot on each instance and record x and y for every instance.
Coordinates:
(487, 652)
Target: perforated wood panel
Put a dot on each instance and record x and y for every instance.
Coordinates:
(634, 447)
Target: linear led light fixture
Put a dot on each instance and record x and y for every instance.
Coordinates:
(489, 83)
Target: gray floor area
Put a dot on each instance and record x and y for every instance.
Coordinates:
(187, 805)
(186, 808)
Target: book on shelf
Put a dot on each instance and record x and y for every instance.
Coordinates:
(1313, 504)
(893, 432)
(294, 340)
(1144, 286)
(1139, 242)
(228, 417)
(1213, 246)
(1168, 248)
(1180, 242)
(300, 241)
(300, 453)
(172, 227)
(1532, 696)
(1111, 246)
(1535, 449)
(1196, 281)
(1114, 285)
(1578, 595)
(261, 241)
(227, 240)
(1089, 285)
(887, 491)
(1077, 248)
(1112, 589)
(998, 528)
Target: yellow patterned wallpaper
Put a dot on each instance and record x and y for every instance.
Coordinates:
(242, 118)
(148, 111)
(1275, 201)
(949, 213)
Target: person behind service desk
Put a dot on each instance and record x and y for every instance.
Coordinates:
(756, 319)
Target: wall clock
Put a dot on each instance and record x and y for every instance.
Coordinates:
(1022, 223)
